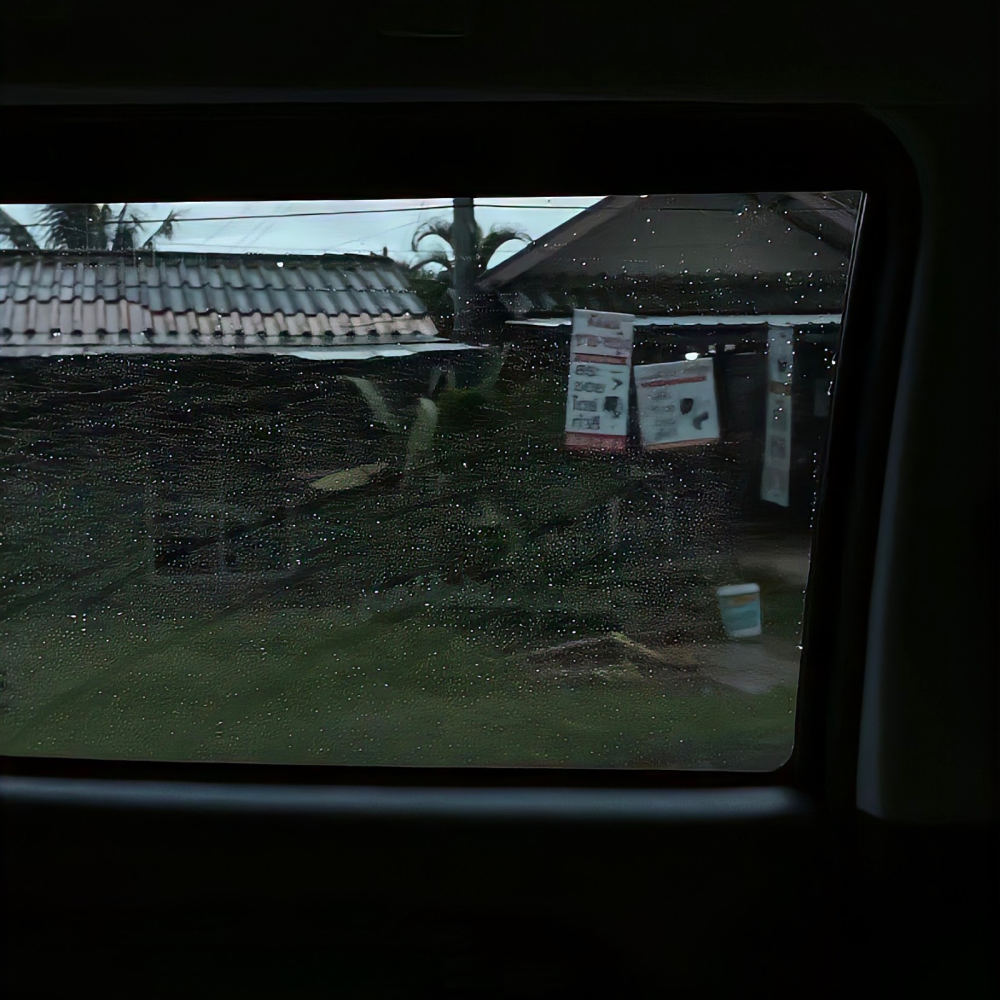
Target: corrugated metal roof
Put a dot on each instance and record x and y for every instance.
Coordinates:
(176, 300)
(671, 295)
(713, 322)
(687, 254)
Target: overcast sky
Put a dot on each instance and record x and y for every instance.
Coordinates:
(365, 226)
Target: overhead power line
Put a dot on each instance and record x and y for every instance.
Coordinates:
(359, 211)
(423, 208)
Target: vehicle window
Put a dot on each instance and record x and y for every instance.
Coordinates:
(504, 481)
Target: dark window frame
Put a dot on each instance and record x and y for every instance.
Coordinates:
(727, 147)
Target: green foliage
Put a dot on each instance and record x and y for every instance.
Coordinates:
(418, 446)
(376, 402)
(484, 245)
(462, 408)
(15, 233)
(433, 291)
(86, 227)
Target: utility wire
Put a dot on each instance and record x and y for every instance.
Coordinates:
(361, 211)
(426, 208)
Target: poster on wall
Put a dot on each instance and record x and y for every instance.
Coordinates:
(677, 403)
(774, 484)
(597, 406)
(601, 337)
(600, 375)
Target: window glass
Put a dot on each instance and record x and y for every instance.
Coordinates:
(505, 481)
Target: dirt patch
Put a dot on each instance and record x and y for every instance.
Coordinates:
(754, 666)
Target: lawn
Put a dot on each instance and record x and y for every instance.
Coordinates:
(404, 686)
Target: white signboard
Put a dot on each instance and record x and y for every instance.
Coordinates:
(600, 373)
(677, 404)
(597, 406)
(778, 425)
(602, 337)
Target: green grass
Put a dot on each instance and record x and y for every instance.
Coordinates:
(403, 687)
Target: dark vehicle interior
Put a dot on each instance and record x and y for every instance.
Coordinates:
(872, 856)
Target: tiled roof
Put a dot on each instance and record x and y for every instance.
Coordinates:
(169, 301)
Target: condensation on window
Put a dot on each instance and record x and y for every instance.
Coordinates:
(494, 482)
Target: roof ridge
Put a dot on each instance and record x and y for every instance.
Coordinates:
(596, 215)
(304, 259)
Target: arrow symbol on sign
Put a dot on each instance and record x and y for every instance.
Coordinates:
(617, 382)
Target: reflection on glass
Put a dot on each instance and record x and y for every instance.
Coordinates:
(524, 482)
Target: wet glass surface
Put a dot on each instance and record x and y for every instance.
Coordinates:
(284, 508)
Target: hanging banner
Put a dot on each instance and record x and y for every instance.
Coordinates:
(597, 406)
(600, 374)
(774, 482)
(677, 403)
(601, 337)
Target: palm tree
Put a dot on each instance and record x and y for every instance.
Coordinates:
(485, 245)
(86, 227)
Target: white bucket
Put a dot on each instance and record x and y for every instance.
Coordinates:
(740, 607)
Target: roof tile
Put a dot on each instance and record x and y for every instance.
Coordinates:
(169, 300)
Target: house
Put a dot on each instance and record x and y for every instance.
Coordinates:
(176, 436)
(167, 415)
(189, 436)
(704, 275)
(672, 259)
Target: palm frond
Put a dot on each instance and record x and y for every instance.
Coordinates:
(73, 227)
(440, 228)
(85, 227)
(165, 231)
(494, 365)
(376, 402)
(439, 257)
(16, 233)
(421, 439)
(493, 240)
(504, 233)
(122, 239)
(485, 245)
(104, 233)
